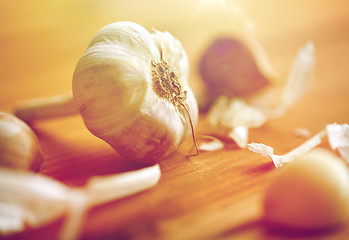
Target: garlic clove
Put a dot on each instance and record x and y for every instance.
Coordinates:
(129, 35)
(46, 107)
(236, 67)
(29, 199)
(310, 193)
(280, 160)
(19, 146)
(338, 137)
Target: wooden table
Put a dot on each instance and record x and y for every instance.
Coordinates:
(215, 195)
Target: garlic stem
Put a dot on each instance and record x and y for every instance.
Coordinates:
(49, 107)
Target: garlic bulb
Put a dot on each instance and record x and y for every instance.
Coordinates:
(132, 91)
(19, 146)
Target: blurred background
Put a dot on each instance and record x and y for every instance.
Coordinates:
(41, 41)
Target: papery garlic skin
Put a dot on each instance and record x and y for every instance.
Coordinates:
(19, 146)
(119, 101)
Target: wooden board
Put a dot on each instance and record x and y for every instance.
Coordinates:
(216, 195)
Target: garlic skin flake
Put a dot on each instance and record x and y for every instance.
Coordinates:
(211, 144)
(235, 116)
(338, 137)
(131, 88)
(28, 198)
(280, 160)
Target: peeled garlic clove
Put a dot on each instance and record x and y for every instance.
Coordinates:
(236, 67)
(131, 88)
(19, 147)
(310, 193)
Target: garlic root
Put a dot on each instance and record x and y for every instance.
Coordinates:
(43, 108)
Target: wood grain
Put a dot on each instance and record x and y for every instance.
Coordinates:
(216, 195)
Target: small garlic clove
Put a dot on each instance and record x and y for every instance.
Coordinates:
(46, 107)
(210, 143)
(280, 160)
(19, 146)
(311, 193)
(236, 67)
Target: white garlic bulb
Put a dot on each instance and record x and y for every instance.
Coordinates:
(131, 88)
(19, 147)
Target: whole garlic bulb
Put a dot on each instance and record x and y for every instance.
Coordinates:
(131, 88)
(19, 147)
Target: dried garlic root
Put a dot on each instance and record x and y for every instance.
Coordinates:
(310, 193)
(19, 146)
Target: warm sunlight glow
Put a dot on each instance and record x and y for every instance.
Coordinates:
(233, 11)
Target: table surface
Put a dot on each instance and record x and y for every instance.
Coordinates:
(210, 196)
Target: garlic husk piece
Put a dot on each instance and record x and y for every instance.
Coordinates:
(338, 137)
(131, 89)
(280, 160)
(210, 144)
(19, 146)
